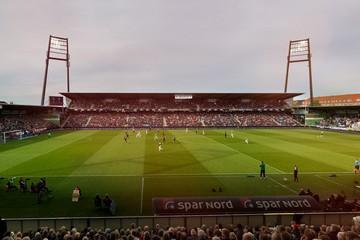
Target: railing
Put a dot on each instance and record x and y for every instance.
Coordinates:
(271, 219)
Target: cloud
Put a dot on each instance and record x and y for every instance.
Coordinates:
(177, 46)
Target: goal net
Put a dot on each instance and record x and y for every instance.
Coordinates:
(11, 135)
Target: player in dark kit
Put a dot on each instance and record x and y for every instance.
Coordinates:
(262, 169)
(296, 171)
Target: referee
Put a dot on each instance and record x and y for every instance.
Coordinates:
(296, 171)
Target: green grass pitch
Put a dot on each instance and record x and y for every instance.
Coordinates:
(99, 161)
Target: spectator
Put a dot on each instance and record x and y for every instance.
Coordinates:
(107, 201)
(97, 201)
(216, 232)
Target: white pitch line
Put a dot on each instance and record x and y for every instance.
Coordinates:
(142, 196)
(184, 175)
(240, 152)
(276, 169)
(282, 185)
(332, 181)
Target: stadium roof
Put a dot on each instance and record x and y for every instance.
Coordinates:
(259, 96)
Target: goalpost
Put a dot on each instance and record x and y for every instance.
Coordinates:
(9, 135)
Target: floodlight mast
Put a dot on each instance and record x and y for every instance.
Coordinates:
(299, 51)
(58, 49)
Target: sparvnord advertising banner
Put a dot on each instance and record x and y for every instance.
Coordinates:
(221, 205)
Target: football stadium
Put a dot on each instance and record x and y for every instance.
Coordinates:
(180, 165)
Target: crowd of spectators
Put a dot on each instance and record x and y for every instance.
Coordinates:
(341, 122)
(156, 113)
(141, 105)
(32, 123)
(335, 202)
(135, 113)
(178, 119)
(293, 231)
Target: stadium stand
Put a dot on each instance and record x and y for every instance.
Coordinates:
(193, 120)
(341, 122)
(339, 112)
(88, 110)
(31, 123)
(29, 119)
(216, 232)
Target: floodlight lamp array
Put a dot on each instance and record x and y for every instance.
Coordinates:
(299, 47)
(58, 48)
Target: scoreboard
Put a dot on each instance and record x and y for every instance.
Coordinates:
(56, 101)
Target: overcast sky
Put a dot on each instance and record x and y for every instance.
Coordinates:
(178, 46)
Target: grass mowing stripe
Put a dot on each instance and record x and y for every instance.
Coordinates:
(344, 135)
(327, 157)
(116, 157)
(174, 158)
(214, 156)
(334, 182)
(62, 159)
(326, 141)
(98, 154)
(215, 138)
(277, 158)
(223, 174)
(13, 144)
(12, 158)
(239, 147)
